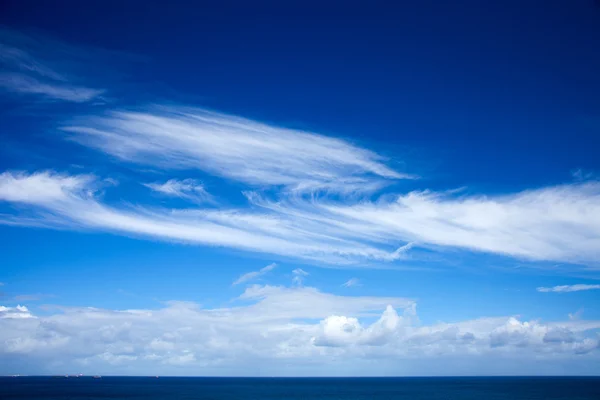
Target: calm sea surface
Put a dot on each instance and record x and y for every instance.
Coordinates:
(298, 388)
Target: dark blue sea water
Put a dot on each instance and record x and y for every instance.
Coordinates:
(49, 388)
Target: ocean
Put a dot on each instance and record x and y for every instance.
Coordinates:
(168, 388)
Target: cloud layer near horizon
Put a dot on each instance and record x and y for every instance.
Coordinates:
(272, 326)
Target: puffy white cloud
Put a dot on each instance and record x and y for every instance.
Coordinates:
(568, 288)
(255, 274)
(189, 189)
(15, 312)
(272, 329)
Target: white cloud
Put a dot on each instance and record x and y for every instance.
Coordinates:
(568, 288)
(299, 275)
(188, 189)
(577, 315)
(28, 85)
(72, 201)
(352, 282)
(27, 69)
(567, 230)
(234, 148)
(15, 312)
(254, 274)
(557, 223)
(582, 175)
(274, 330)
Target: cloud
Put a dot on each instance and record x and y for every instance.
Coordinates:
(30, 297)
(568, 288)
(577, 315)
(582, 175)
(299, 275)
(332, 231)
(28, 85)
(72, 201)
(277, 330)
(234, 148)
(14, 312)
(352, 282)
(188, 189)
(254, 274)
(31, 68)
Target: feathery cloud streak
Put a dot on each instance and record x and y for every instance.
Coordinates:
(188, 189)
(30, 68)
(255, 274)
(568, 288)
(352, 282)
(71, 201)
(234, 148)
(560, 223)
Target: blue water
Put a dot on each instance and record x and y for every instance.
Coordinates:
(50, 388)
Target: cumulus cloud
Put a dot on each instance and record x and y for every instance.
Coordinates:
(273, 327)
(352, 282)
(28, 69)
(188, 189)
(568, 288)
(254, 274)
(15, 312)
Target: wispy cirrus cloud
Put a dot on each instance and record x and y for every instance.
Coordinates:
(188, 189)
(71, 201)
(301, 201)
(234, 148)
(30, 297)
(254, 274)
(352, 282)
(28, 85)
(568, 288)
(558, 223)
(298, 276)
(32, 66)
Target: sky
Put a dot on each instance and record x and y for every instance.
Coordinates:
(300, 190)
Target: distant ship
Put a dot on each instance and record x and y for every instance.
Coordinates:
(97, 377)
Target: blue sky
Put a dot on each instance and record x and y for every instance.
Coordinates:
(270, 190)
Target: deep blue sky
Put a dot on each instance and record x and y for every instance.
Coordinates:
(497, 99)
(499, 83)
